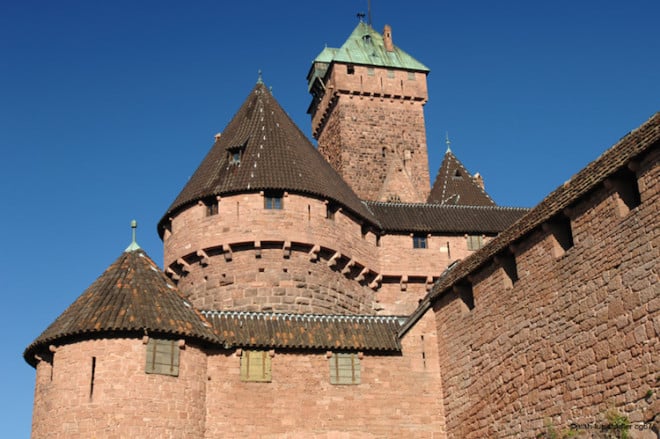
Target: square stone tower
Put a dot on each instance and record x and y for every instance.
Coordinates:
(367, 115)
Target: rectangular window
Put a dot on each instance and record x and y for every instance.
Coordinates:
(411, 76)
(390, 73)
(273, 201)
(350, 69)
(344, 369)
(255, 366)
(211, 208)
(330, 210)
(162, 357)
(420, 241)
(474, 242)
(371, 71)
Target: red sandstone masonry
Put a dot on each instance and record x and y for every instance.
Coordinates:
(574, 337)
(249, 278)
(396, 398)
(126, 402)
(370, 128)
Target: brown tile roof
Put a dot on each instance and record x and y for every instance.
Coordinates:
(132, 295)
(455, 185)
(631, 146)
(420, 217)
(274, 154)
(306, 331)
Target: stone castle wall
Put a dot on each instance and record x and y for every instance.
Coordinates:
(121, 400)
(575, 336)
(397, 397)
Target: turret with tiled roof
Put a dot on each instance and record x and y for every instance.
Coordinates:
(262, 149)
(455, 185)
(132, 296)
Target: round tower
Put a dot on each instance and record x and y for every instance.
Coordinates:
(367, 115)
(105, 364)
(265, 224)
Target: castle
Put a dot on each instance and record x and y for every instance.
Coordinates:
(334, 292)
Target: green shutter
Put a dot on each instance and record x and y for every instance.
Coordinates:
(162, 357)
(255, 366)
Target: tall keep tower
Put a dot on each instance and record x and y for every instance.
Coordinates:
(367, 115)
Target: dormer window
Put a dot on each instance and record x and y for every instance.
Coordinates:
(458, 174)
(234, 154)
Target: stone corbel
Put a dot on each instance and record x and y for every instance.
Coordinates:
(314, 253)
(376, 282)
(347, 268)
(226, 250)
(172, 274)
(204, 257)
(185, 267)
(360, 277)
(333, 260)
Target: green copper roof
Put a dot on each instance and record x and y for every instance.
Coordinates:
(365, 46)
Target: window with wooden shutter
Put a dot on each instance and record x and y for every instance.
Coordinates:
(344, 369)
(162, 357)
(474, 242)
(255, 366)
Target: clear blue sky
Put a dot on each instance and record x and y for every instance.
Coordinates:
(106, 108)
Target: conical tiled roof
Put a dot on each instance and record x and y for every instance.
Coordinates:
(133, 294)
(262, 149)
(455, 185)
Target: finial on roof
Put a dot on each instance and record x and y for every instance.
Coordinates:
(360, 16)
(447, 141)
(259, 78)
(134, 245)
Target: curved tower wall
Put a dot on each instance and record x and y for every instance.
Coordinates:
(291, 260)
(249, 258)
(117, 399)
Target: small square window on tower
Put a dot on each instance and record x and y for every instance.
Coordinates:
(344, 369)
(162, 357)
(273, 201)
(211, 207)
(255, 366)
(420, 241)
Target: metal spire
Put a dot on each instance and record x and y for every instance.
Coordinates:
(134, 245)
(259, 78)
(447, 141)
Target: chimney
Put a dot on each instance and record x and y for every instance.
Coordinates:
(387, 38)
(479, 179)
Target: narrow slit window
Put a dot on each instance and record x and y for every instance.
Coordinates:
(91, 380)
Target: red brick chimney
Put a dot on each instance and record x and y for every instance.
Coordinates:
(387, 38)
